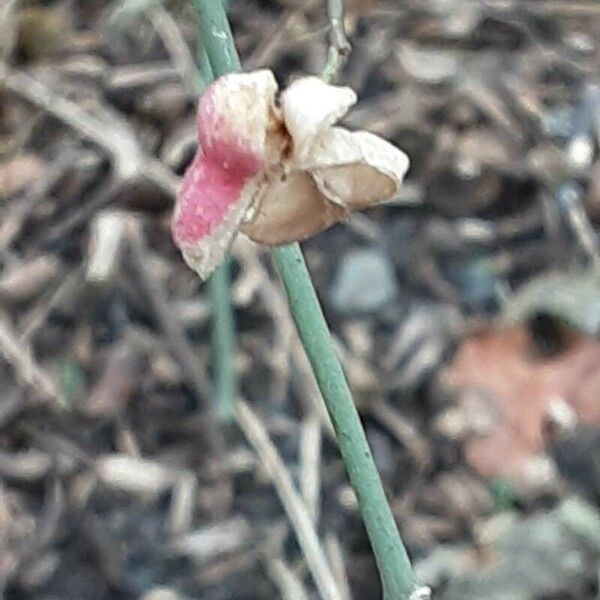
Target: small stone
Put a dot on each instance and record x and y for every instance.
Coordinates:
(573, 298)
(547, 554)
(161, 594)
(580, 42)
(557, 122)
(364, 282)
(430, 65)
(441, 564)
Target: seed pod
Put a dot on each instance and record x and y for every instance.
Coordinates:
(280, 174)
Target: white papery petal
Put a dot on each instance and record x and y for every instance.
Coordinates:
(310, 107)
(237, 108)
(356, 168)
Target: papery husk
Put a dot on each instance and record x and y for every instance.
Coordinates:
(343, 172)
(282, 173)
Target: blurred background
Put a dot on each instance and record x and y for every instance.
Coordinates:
(466, 310)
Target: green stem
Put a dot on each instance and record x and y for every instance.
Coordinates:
(223, 341)
(214, 60)
(215, 33)
(397, 576)
(205, 73)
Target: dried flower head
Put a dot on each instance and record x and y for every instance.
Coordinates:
(279, 171)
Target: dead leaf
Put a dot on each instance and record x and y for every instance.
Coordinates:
(507, 388)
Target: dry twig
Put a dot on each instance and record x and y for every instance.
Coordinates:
(336, 557)
(287, 581)
(110, 132)
(290, 498)
(310, 463)
(19, 355)
(176, 46)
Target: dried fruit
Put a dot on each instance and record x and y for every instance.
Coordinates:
(280, 172)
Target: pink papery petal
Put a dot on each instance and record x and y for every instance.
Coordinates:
(219, 186)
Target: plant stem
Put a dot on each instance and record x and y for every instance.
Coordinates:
(223, 341)
(205, 74)
(339, 46)
(217, 55)
(215, 33)
(398, 579)
(392, 560)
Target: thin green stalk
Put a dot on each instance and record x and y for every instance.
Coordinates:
(397, 576)
(215, 33)
(223, 341)
(205, 73)
(214, 60)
